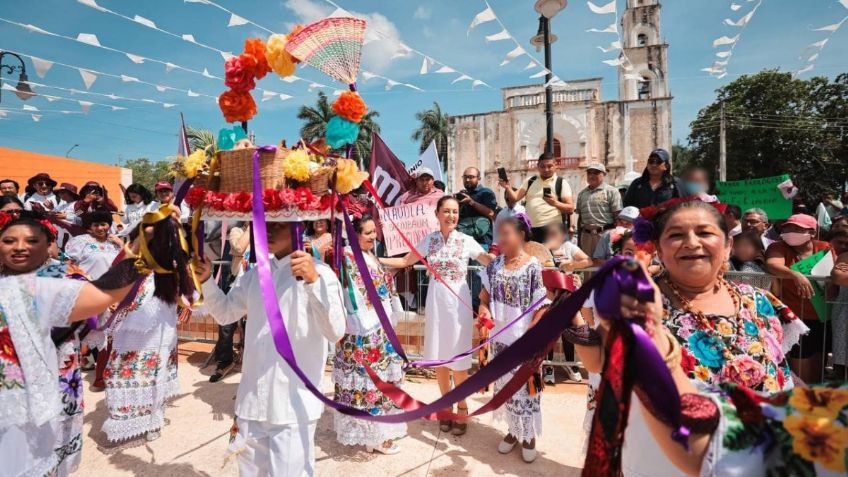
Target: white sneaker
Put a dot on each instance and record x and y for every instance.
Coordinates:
(549, 375)
(573, 374)
(528, 455)
(152, 436)
(506, 447)
(394, 449)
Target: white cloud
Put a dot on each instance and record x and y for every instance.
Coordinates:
(382, 36)
(422, 13)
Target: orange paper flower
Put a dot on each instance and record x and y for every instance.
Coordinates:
(255, 48)
(350, 106)
(237, 106)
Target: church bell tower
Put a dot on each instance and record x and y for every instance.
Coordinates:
(643, 75)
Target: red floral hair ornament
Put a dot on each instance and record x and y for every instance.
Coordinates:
(4, 221)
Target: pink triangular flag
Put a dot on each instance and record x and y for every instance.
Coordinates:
(85, 106)
(41, 66)
(88, 78)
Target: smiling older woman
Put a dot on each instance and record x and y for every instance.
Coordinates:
(728, 333)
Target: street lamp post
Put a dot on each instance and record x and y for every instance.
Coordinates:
(22, 90)
(67, 154)
(547, 9)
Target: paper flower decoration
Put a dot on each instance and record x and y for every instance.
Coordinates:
(296, 165)
(238, 73)
(348, 176)
(350, 106)
(227, 137)
(194, 163)
(237, 106)
(255, 48)
(280, 60)
(341, 132)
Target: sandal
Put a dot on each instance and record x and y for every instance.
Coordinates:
(445, 426)
(460, 427)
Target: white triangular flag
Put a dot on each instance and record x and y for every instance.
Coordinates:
(804, 70)
(735, 6)
(191, 93)
(742, 21)
(478, 83)
(135, 58)
(36, 117)
(724, 54)
(402, 51)
(266, 95)
(50, 98)
(236, 20)
(541, 73)
(426, 64)
(117, 108)
(145, 100)
(284, 96)
(710, 70)
(85, 106)
(8, 87)
(290, 79)
(554, 79)
(87, 77)
(27, 107)
(113, 96)
(515, 53)
(813, 58)
(88, 38)
(161, 89)
(144, 21)
(367, 75)
(41, 66)
(614, 62)
(609, 29)
(168, 105)
(169, 67)
(93, 4)
(616, 45)
(35, 29)
(314, 85)
(391, 84)
(337, 92)
(227, 55)
(129, 79)
(445, 69)
(461, 78)
(608, 8)
(531, 64)
(502, 35)
(725, 40)
(189, 38)
(486, 15)
(632, 76)
(206, 73)
(3, 114)
(722, 75)
(833, 27)
(412, 86)
(844, 3)
(818, 44)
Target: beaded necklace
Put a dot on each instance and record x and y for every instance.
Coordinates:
(705, 322)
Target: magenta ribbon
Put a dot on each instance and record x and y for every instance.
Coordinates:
(649, 369)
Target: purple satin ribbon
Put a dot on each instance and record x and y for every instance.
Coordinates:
(182, 191)
(649, 369)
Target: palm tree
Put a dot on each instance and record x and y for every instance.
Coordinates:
(315, 127)
(201, 139)
(435, 126)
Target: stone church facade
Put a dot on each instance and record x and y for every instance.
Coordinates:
(618, 133)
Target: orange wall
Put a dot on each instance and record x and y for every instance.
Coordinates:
(21, 165)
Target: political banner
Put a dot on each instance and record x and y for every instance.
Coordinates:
(762, 193)
(388, 173)
(429, 159)
(414, 220)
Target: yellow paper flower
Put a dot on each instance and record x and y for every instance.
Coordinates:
(296, 165)
(193, 164)
(818, 440)
(348, 176)
(819, 402)
(278, 58)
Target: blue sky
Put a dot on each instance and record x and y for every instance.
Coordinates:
(775, 37)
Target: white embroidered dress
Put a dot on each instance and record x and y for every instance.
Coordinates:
(141, 374)
(30, 400)
(449, 323)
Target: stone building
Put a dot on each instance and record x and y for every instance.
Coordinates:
(618, 133)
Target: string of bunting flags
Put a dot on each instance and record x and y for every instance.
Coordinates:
(812, 51)
(8, 85)
(719, 67)
(616, 45)
(489, 15)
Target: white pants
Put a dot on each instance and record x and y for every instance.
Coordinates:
(274, 450)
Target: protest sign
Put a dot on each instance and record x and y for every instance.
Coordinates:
(414, 220)
(761, 193)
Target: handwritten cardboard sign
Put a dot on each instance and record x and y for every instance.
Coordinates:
(761, 193)
(414, 220)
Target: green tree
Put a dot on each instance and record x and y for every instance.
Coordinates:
(434, 126)
(315, 127)
(200, 139)
(682, 158)
(146, 172)
(776, 124)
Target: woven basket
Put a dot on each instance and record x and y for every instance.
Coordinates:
(236, 170)
(205, 181)
(319, 181)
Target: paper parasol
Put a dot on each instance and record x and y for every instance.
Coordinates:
(332, 45)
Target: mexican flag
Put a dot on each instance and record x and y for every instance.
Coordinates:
(819, 264)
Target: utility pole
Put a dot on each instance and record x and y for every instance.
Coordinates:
(722, 149)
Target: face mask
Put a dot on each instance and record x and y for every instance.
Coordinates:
(693, 188)
(795, 239)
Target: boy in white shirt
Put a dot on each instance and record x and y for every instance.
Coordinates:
(276, 415)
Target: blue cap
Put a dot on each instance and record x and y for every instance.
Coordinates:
(661, 153)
